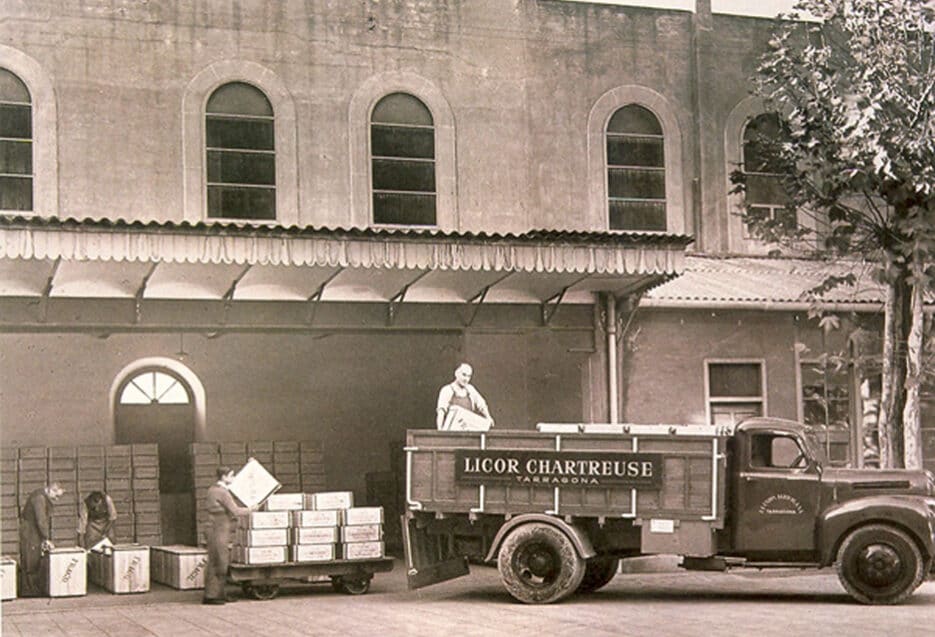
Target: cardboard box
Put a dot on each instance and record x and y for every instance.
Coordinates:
(315, 535)
(259, 554)
(253, 484)
(362, 533)
(330, 517)
(179, 566)
(121, 569)
(363, 515)
(330, 500)
(312, 552)
(284, 502)
(66, 572)
(362, 550)
(459, 419)
(262, 537)
(265, 520)
(7, 578)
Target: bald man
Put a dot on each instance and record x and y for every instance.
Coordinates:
(460, 393)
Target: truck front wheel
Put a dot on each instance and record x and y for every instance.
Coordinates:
(539, 564)
(880, 564)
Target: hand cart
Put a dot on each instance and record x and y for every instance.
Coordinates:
(352, 577)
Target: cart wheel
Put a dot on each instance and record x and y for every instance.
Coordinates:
(262, 592)
(353, 585)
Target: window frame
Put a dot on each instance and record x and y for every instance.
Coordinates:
(710, 401)
(194, 140)
(44, 112)
(372, 157)
(30, 176)
(598, 213)
(208, 149)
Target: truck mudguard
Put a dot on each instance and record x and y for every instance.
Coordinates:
(907, 512)
(578, 537)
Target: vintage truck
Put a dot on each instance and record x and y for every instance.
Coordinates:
(562, 505)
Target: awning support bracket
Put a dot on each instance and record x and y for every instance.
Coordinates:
(47, 291)
(138, 296)
(228, 297)
(474, 303)
(315, 298)
(399, 297)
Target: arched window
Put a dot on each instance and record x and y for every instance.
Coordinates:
(765, 195)
(241, 156)
(402, 155)
(154, 387)
(16, 170)
(636, 174)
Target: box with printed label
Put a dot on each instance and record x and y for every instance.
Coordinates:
(253, 484)
(315, 535)
(122, 568)
(362, 550)
(311, 552)
(284, 502)
(259, 554)
(263, 537)
(66, 572)
(179, 566)
(330, 500)
(265, 520)
(363, 515)
(7, 578)
(362, 533)
(331, 517)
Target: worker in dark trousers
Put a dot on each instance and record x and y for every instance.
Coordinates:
(96, 519)
(224, 513)
(35, 524)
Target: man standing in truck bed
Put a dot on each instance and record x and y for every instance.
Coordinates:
(460, 393)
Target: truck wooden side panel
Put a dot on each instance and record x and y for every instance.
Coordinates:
(692, 486)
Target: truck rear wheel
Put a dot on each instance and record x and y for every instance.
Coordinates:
(880, 564)
(597, 573)
(539, 564)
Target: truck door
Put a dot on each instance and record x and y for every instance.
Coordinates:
(776, 496)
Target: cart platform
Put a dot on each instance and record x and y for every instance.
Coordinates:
(352, 577)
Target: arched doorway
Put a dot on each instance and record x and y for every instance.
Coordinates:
(155, 404)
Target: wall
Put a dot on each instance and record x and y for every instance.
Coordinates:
(520, 76)
(664, 354)
(356, 392)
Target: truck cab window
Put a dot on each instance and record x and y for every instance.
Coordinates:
(776, 452)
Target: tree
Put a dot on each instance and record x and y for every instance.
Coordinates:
(854, 88)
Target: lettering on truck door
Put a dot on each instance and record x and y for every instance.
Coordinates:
(776, 498)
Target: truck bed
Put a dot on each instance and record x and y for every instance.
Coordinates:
(692, 486)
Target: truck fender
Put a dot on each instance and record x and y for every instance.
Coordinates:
(906, 512)
(577, 536)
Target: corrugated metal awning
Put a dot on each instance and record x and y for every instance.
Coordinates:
(119, 259)
(775, 283)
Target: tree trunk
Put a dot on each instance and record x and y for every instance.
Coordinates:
(892, 396)
(912, 413)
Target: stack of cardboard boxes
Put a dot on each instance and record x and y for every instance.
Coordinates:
(63, 468)
(286, 464)
(311, 467)
(205, 458)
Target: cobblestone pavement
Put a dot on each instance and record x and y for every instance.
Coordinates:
(737, 603)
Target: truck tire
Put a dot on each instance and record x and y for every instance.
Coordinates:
(597, 573)
(880, 564)
(539, 564)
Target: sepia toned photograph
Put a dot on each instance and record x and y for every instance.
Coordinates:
(467, 317)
